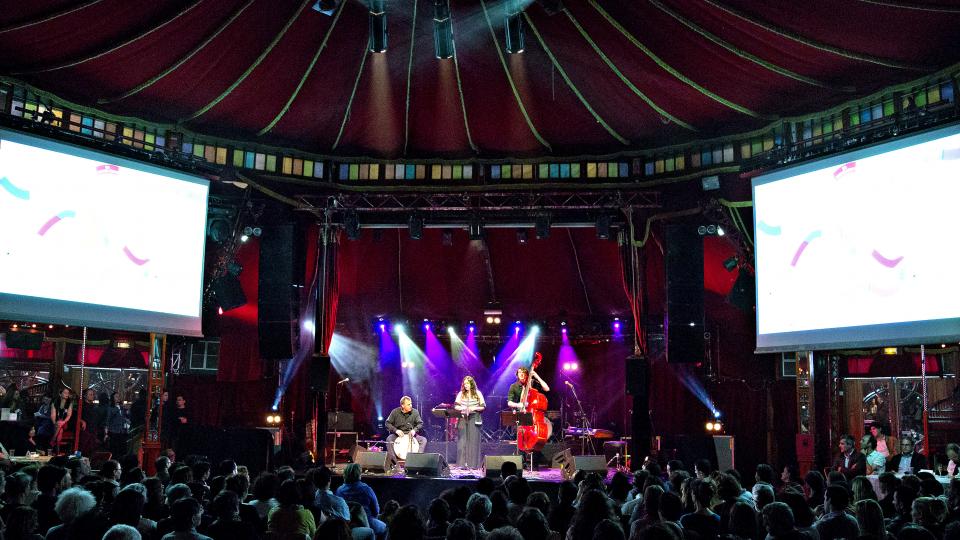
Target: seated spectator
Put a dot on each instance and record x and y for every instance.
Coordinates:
(862, 489)
(498, 512)
(762, 495)
(127, 509)
(671, 509)
(330, 504)
(22, 525)
(562, 513)
(607, 529)
(703, 520)
(814, 486)
(532, 525)
(175, 492)
(835, 522)
(903, 499)
(239, 485)
(461, 529)
(593, 509)
(359, 526)
(290, 517)
(649, 512)
(803, 518)
(728, 490)
(228, 525)
(479, 508)
(186, 514)
(265, 492)
(741, 521)
(162, 466)
(540, 501)
(888, 483)
(929, 513)
(15, 493)
(618, 489)
(505, 533)
(702, 469)
(778, 522)
(914, 532)
(122, 532)
(354, 489)
(407, 524)
(518, 490)
(439, 518)
(388, 510)
(908, 461)
(51, 481)
(870, 518)
(334, 529)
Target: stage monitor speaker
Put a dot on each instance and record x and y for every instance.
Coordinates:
(562, 459)
(371, 461)
(684, 324)
(31, 341)
(493, 464)
(426, 464)
(570, 464)
(636, 371)
(278, 298)
(319, 373)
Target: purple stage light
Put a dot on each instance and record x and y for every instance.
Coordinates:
(383, 327)
(566, 366)
(563, 331)
(574, 366)
(426, 327)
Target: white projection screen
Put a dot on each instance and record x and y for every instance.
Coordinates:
(90, 239)
(860, 249)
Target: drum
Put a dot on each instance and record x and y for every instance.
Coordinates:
(404, 445)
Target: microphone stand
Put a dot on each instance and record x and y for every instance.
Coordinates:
(336, 427)
(584, 423)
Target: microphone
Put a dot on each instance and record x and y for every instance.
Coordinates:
(345, 379)
(568, 383)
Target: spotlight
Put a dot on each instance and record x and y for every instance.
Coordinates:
(889, 350)
(603, 226)
(273, 419)
(574, 366)
(709, 426)
(472, 328)
(451, 330)
(616, 324)
(716, 414)
(351, 223)
(378, 26)
(566, 366)
(327, 7)
(710, 229)
(244, 238)
(489, 320)
(542, 227)
(426, 325)
(720, 231)
(399, 329)
(535, 329)
(442, 30)
(383, 327)
(496, 320)
(14, 326)
(219, 310)
(563, 330)
(415, 226)
(476, 228)
(731, 264)
(513, 26)
(522, 236)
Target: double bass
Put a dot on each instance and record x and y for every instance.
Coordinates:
(534, 437)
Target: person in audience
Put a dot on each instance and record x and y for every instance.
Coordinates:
(875, 460)
(325, 500)
(461, 529)
(439, 518)
(265, 491)
(676, 480)
(740, 522)
(532, 525)
(764, 473)
(505, 533)
(870, 520)
(929, 513)
(239, 484)
(862, 489)
(162, 465)
(518, 490)
(607, 529)
(888, 482)
(849, 461)
(671, 509)
(498, 515)
(803, 517)
(359, 526)
(228, 525)
(952, 460)
(702, 468)
(51, 481)
(903, 498)
(835, 522)
(127, 509)
(15, 494)
(814, 486)
(762, 495)
(915, 532)
(388, 510)
(186, 513)
(778, 522)
(562, 512)
(354, 489)
(908, 460)
(540, 501)
(885, 443)
(619, 488)
(122, 532)
(334, 529)
(649, 512)
(479, 509)
(290, 517)
(929, 485)
(154, 508)
(76, 508)
(22, 525)
(593, 509)
(728, 490)
(703, 520)
(407, 524)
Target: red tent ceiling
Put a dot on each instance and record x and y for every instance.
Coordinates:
(598, 77)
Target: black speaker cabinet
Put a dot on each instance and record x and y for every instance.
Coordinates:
(684, 324)
(278, 300)
(371, 461)
(570, 464)
(432, 465)
(492, 464)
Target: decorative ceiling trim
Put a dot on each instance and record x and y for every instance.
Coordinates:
(353, 94)
(48, 18)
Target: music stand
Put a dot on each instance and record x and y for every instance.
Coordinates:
(446, 413)
(519, 419)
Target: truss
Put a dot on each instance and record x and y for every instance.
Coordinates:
(529, 201)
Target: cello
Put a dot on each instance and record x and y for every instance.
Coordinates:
(534, 437)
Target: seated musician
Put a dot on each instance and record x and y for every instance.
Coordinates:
(516, 389)
(404, 420)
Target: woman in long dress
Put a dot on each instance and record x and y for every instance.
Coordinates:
(470, 404)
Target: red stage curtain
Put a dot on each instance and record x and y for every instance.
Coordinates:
(239, 344)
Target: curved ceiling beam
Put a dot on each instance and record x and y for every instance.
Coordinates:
(77, 62)
(915, 7)
(744, 54)
(670, 69)
(573, 87)
(266, 52)
(306, 74)
(513, 85)
(606, 59)
(353, 94)
(406, 106)
(153, 80)
(463, 103)
(48, 18)
(812, 43)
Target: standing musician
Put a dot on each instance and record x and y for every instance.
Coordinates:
(516, 389)
(470, 403)
(403, 420)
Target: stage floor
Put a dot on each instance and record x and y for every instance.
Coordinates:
(462, 473)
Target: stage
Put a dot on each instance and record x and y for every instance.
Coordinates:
(421, 490)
